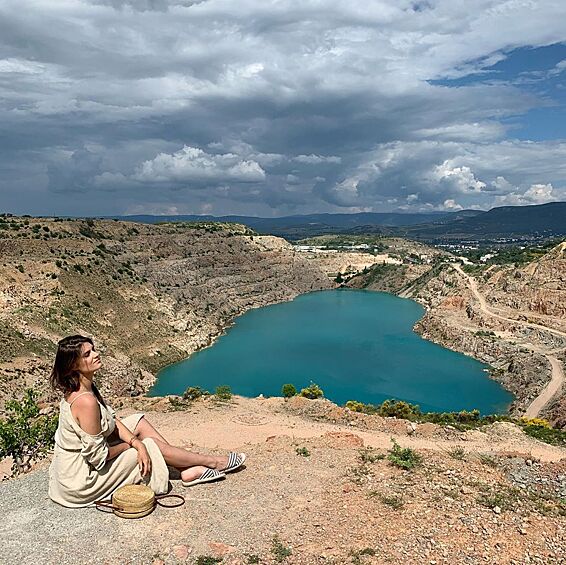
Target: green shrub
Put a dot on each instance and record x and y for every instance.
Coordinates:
(403, 457)
(546, 434)
(313, 391)
(356, 406)
(194, 392)
(399, 409)
(457, 453)
(504, 497)
(177, 403)
(288, 390)
(368, 455)
(303, 451)
(223, 392)
(208, 560)
(488, 460)
(394, 500)
(24, 434)
(280, 552)
(357, 555)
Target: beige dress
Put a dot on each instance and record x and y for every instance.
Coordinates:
(80, 473)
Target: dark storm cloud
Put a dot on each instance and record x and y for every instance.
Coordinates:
(260, 108)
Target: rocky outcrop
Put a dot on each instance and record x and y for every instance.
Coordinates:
(520, 371)
(149, 294)
(510, 333)
(536, 290)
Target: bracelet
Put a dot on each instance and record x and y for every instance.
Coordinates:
(132, 439)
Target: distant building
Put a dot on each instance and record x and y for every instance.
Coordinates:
(487, 257)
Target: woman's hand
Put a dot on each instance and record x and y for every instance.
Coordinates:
(144, 460)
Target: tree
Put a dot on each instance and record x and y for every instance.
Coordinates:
(288, 390)
(25, 434)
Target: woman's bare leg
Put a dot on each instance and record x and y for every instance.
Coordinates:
(191, 464)
(181, 458)
(145, 429)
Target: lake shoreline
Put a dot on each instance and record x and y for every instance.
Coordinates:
(427, 358)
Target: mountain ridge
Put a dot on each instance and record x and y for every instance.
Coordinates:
(542, 220)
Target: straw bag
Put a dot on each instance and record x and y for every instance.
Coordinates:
(135, 501)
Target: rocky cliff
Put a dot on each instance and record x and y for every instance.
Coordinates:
(509, 317)
(149, 294)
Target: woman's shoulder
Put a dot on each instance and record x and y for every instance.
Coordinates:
(85, 398)
(84, 404)
(86, 412)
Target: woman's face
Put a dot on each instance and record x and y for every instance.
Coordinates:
(89, 361)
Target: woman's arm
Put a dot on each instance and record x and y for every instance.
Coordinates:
(128, 440)
(131, 440)
(115, 450)
(124, 434)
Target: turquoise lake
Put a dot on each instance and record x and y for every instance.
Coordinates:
(355, 344)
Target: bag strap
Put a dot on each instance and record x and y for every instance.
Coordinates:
(159, 497)
(102, 504)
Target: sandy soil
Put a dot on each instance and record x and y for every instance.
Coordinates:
(252, 421)
(315, 491)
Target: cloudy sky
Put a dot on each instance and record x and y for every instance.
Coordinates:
(281, 107)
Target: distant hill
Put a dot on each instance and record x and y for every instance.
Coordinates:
(301, 226)
(542, 220)
(545, 220)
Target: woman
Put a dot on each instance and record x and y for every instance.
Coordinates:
(95, 452)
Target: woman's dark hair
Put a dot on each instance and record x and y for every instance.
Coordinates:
(64, 375)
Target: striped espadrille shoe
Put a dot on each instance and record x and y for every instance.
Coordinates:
(207, 477)
(235, 461)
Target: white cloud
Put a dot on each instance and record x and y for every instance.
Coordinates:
(153, 209)
(535, 194)
(440, 172)
(191, 164)
(451, 205)
(501, 184)
(559, 68)
(339, 97)
(20, 66)
(461, 178)
(317, 159)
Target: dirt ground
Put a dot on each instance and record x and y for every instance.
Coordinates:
(317, 488)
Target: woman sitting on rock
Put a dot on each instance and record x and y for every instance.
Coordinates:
(95, 452)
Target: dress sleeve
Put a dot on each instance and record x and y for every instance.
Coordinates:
(94, 450)
(95, 447)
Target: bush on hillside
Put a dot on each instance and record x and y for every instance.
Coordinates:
(399, 409)
(543, 431)
(313, 391)
(462, 420)
(463, 417)
(356, 406)
(223, 392)
(194, 392)
(536, 422)
(288, 390)
(403, 457)
(25, 435)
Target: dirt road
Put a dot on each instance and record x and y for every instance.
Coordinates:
(557, 379)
